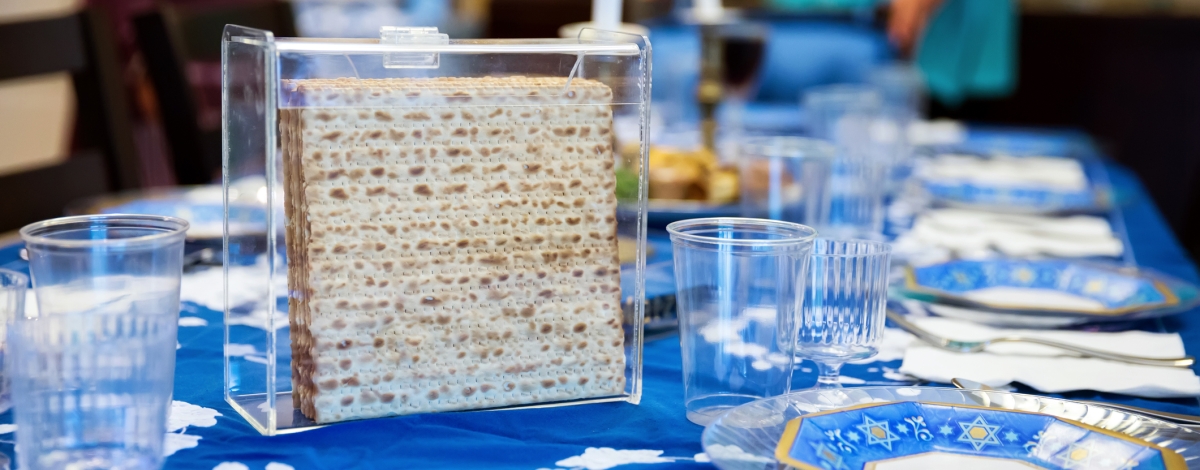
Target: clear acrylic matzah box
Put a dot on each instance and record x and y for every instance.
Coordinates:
(451, 224)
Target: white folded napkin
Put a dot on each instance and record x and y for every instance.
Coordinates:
(1050, 173)
(972, 233)
(937, 132)
(1049, 369)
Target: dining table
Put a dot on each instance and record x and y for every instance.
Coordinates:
(206, 433)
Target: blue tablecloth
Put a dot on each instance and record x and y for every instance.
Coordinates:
(542, 438)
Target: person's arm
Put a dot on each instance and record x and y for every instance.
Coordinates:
(907, 21)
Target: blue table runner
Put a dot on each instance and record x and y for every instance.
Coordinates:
(654, 432)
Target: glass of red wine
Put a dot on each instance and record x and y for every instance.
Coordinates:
(743, 45)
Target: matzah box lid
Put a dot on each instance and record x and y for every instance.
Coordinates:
(452, 224)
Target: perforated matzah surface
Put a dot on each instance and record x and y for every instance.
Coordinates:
(451, 244)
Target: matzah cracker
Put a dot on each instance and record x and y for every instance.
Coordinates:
(451, 244)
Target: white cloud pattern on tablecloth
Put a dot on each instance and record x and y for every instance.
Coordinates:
(175, 442)
(242, 466)
(732, 452)
(247, 289)
(192, 321)
(237, 349)
(259, 318)
(891, 348)
(730, 335)
(245, 351)
(604, 458)
(892, 374)
(184, 415)
(246, 286)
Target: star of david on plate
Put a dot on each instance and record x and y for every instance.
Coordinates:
(979, 433)
(1077, 455)
(1011, 436)
(877, 432)
(828, 455)
(946, 430)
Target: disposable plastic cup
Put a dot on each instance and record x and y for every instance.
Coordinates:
(868, 147)
(901, 87)
(835, 112)
(786, 178)
(739, 288)
(12, 302)
(92, 368)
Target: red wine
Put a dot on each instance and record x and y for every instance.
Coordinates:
(743, 56)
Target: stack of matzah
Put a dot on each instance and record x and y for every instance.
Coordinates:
(451, 244)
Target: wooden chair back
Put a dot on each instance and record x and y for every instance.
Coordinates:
(83, 45)
(172, 36)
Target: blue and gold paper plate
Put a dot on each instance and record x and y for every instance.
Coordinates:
(1095, 196)
(889, 428)
(959, 436)
(1052, 286)
(1017, 199)
(201, 206)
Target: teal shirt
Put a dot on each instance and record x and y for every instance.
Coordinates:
(968, 48)
(801, 5)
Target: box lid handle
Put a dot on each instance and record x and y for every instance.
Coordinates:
(411, 35)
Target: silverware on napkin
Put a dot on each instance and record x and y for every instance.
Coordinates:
(1188, 421)
(979, 346)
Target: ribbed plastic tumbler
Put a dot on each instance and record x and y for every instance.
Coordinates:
(844, 305)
